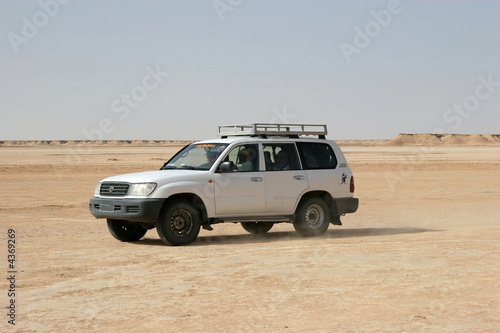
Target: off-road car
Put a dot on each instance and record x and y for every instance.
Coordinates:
(254, 174)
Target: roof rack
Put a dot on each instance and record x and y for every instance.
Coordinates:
(264, 130)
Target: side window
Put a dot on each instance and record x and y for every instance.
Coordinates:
(244, 157)
(317, 155)
(281, 156)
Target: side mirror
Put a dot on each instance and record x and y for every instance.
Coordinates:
(226, 166)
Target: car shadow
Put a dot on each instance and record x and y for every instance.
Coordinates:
(368, 232)
(290, 236)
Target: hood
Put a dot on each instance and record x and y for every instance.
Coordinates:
(159, 176)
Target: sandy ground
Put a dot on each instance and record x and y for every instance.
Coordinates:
(420, 255)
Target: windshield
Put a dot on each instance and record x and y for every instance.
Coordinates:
(198, 156)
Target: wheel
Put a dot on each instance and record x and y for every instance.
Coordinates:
(179, 223)
(257, 228)
(312, 217)
(126, 231)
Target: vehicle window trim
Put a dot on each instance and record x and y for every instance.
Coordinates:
(230, 148)
(294, 143)
(303, 159)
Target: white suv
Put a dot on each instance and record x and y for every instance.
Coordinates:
(256, 174)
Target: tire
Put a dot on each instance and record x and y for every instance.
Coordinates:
(179, 223)
(312, 217)
(126, 231)
(257, 228)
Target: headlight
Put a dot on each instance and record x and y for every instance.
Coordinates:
(141, 190)
(97, 190)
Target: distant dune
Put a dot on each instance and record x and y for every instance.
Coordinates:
(444, 139)
(425, 139)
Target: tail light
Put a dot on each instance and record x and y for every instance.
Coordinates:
(352, 184)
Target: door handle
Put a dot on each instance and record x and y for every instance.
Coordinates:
(256, 179)
(299, 177)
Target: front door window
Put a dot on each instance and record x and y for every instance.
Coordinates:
(245, 158)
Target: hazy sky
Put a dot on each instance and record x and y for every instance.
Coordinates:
(96, 69)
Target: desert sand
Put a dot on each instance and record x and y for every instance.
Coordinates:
(420, 255)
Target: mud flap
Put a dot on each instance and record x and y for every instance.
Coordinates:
(335, 220)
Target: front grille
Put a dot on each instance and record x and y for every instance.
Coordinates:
(114, 189)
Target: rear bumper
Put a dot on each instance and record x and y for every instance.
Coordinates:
(135, 210)
(345, 206)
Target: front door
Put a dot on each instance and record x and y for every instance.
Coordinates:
(242, 191)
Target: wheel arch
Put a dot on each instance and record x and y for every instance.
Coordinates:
(192, 198)
(323, 195)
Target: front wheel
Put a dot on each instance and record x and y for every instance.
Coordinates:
(126, 231)
(312, 217)
(257, 228)
(179, 223)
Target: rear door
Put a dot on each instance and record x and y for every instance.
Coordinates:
(285, 179)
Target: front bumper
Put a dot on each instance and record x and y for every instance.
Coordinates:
(135, 210)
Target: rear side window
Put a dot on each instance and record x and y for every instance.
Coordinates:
(317, 155)
(281, 157)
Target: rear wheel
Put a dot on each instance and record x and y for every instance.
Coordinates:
(312, 217)
(179, 223)
(126, 231)
(257, 228)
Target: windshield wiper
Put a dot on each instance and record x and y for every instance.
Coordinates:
(165, 167)
(190, 167)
